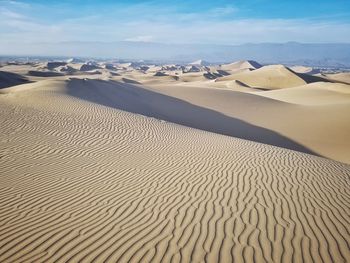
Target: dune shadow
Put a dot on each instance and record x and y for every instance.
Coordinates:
(143, 101)
(130, 81)
(44, 74)
(9, 79)
(223, 72)
(309, 78)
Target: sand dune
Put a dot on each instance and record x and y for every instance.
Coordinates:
(319, 93)
(241, 65)
(272, 77)
(53, 65)
(299, 118)
(151, 102)
(8, 79)
(341, 77)
(193, 77)
(236, 85)
(82, 182)
(110, 66)
(321, 129)
(192, 68)
(21, 69)
(249, 114)
(68, 69)
(88, 67)
(160, 74)
(306, 70)
(44, 74)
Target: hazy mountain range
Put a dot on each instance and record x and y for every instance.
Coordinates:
(330, 55)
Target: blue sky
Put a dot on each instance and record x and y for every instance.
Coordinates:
(193, 21)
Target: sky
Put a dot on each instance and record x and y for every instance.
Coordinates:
(192, 21)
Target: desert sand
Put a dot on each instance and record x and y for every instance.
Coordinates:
(121, 164)
(340, 77)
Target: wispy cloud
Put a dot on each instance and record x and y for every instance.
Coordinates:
(10, 14)
(14, 3)
(226, 10)
(152, 21)
(140, 39)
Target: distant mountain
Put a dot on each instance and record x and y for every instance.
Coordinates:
(337, 55)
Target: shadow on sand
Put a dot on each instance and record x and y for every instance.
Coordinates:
(140, 100)
(9, 79)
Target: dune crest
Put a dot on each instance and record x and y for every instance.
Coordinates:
(240, 65)
(319, 93)
(272, 77)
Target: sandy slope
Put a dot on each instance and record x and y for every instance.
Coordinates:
(342, 77)
(85, 182)
(272, 77)
(243, 64)
(9, 79)
(321, 128)
(311, 118)
(319, 93)
(306, 70)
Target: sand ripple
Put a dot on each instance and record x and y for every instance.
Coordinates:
(81, 182)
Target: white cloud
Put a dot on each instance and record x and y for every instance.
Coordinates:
(227, 10)
(10, 14)
(140, 39)
(144, 22)
(14, 3)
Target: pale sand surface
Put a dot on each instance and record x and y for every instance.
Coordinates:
(85, 179)
(342, 77)
(272, 77)
(322, 128)
(319, 93)
(312, 117)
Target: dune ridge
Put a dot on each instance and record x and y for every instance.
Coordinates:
(271, 104)
(319, 93)
(83, 182)
(241, 65)
(272, 77)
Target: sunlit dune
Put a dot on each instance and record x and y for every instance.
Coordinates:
(152, 163)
